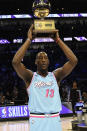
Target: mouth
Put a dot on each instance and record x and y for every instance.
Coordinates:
(43, 65)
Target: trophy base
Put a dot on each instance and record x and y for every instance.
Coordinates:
(44, 33)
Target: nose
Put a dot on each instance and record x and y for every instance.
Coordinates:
(43, 59)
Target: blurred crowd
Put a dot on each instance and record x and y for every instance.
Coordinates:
(12, 89)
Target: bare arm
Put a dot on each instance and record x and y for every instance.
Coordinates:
(68, 66)
(21, 70)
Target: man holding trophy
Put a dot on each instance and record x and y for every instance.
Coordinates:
(43, 86)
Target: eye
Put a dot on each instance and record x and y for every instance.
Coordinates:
(40, 57)
(46, 57)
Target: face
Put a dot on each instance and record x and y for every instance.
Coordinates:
(84, 94)
(74, 85)
(42, 61)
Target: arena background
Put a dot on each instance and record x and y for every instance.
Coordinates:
(14, 31)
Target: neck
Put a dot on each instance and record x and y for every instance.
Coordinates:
(43, 73)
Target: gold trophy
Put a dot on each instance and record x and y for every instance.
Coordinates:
(43, 28)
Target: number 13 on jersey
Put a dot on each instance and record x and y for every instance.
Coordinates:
(50, 93)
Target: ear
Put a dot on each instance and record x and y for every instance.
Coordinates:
(48, 62)
(36, 62)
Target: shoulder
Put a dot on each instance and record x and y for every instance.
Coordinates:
(58, 74)
(29, 81)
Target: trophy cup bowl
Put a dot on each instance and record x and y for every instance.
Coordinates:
(43, 27)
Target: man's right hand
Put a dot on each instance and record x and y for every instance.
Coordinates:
(30, 32)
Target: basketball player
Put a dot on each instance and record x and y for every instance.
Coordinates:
(43, 86)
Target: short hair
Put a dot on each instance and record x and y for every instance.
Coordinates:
(40, 52)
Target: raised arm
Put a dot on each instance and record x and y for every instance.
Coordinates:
(21, 70)
(64, 71)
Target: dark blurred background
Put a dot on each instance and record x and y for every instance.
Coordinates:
(12, 88)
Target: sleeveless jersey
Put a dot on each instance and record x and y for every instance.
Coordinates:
(44, 94)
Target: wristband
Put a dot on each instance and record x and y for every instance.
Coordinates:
(58, 38)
